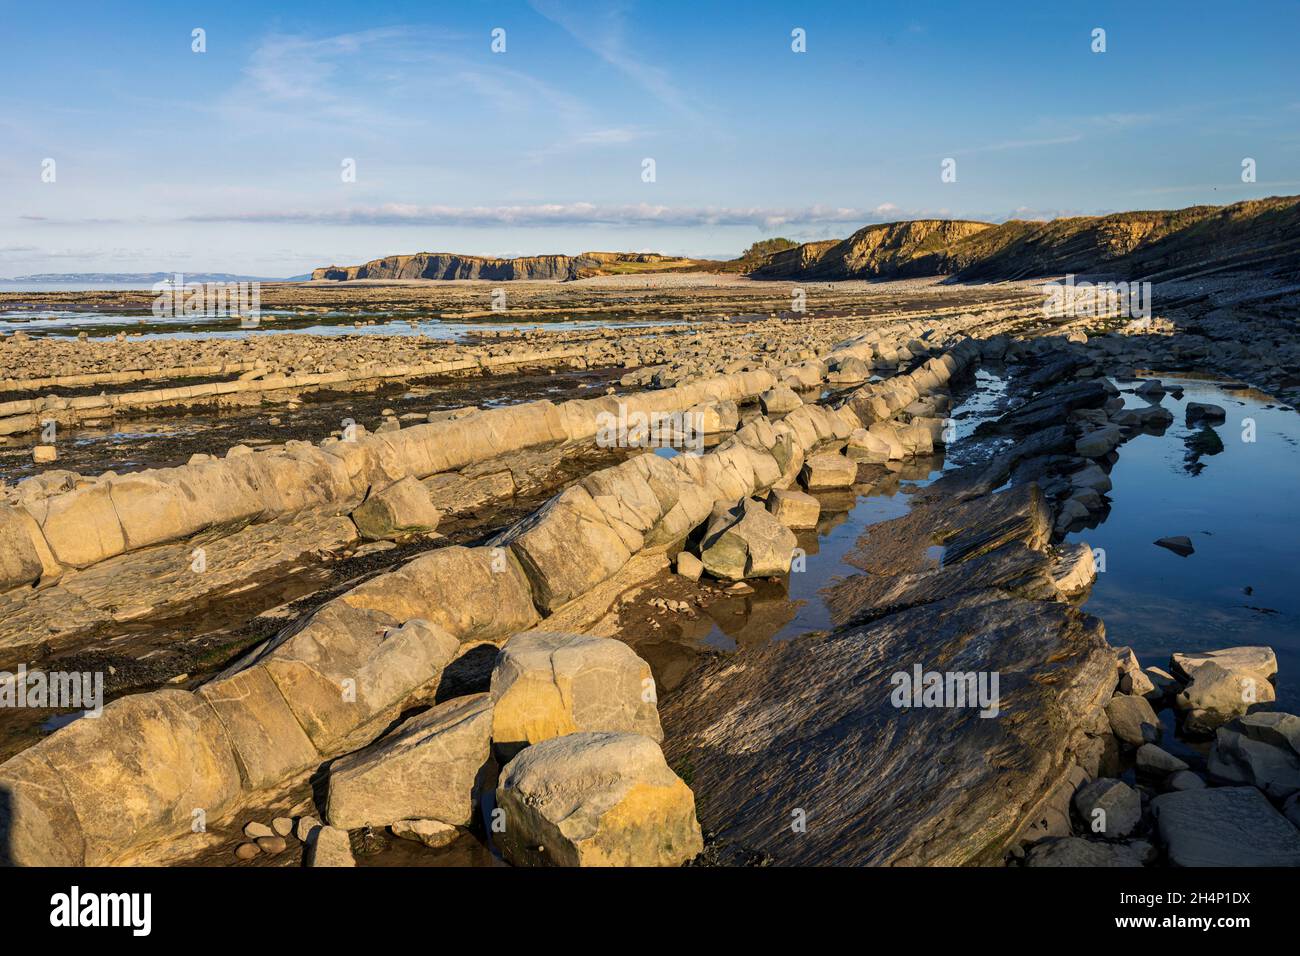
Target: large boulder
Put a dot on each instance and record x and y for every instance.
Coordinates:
(474, 594)
(103, 786)
(1076, 852)
(401, 509)
(427, 769)
(828, 470)
(1224, 826)
(794, 509)
(349, 673)
(1133, 721)
(746, 541)
(546, 685)
(1109, 808)
(779, 400)
(596, 799)
(869, 446)
(1223, 684)
(566, 547)
(1262, 750)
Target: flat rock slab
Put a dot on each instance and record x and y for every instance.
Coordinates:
(1012, 568)
(807, 730)
(1225, 826)
(965, 528)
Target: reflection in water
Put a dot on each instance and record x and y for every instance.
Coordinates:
(1236, 499)
(783, 608)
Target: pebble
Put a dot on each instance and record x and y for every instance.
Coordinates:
(246, 851)
(271, 844)
(254, 830)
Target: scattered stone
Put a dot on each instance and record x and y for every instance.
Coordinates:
(1224, 826)
(1184, 780)
(1133, 721)
(596, 799)
(1151, 389)
(254, 830)
(1109, 808)
(271, 845)
(779, 400)
(1156, 762)
(689, 566)
(330, 847)
(1180, 545)
(282, 826)
(246, 851)
(1220, 691)
(426, 769)
(794, 509)
(305, 827)
(1100, 442)
(828, 470)
(402, 508)
(1205, 412)
(432, 833)
(747, 541)
(44, 454)
(1163, 684)
(1132, 680)
(1257, 661)
(1258, 750)
(1076, 852)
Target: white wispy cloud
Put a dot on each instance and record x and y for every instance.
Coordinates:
(1020, 144)
(556, 214)
(602, 30)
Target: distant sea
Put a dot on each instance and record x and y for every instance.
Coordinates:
(71, 286)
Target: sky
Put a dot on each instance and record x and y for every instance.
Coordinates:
(234, 159)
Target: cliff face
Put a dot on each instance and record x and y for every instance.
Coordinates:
(449, 265)
(1261, 235)
(891, 250)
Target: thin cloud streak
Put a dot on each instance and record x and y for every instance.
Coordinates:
(554, 214)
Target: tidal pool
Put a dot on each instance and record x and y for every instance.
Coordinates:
(1241, 510)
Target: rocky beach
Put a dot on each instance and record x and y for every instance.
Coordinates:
(644, 604)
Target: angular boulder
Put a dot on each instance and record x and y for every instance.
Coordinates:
(1224, 826)
(427, 769)
(828, 470)
(1259, 750)
(1110, 808)
(1133, 721)
(746, 541)
(596, 799)
(547, 685)
(567, 547)
(401, 509)
(779, 400)
(794, 509)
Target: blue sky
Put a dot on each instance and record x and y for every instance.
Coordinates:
(231, 160)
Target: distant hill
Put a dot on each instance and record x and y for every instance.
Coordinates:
(1257, 235)
(450, 265)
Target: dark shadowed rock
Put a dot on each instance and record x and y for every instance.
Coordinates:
(809, 726)
(1076, 851)
(1224, 826)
